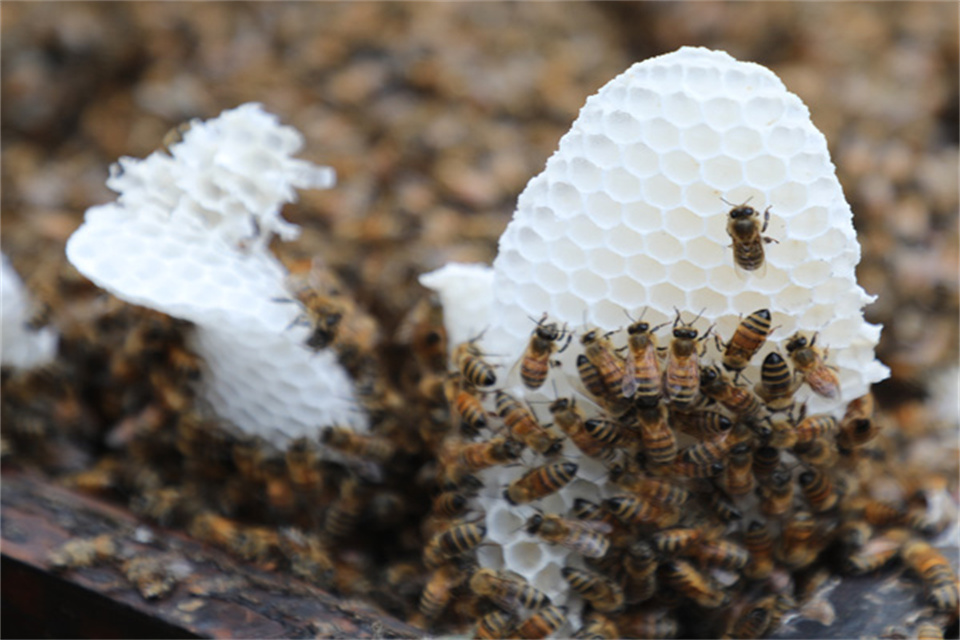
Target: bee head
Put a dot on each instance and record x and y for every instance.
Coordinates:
(742, 212)
(638, 327)
(534, 523)
(796, 342)
(685, 333)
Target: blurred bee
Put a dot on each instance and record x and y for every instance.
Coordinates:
(722, 507)
(853, 534)
(672, 542)
(938, 576)
(214, 529)
(744, 228)
(708, 452)
(357, 445)
(782, 435)
(759, 543)
(754, 620)
(322, 307)
(568, 417)
(682, 373)
(600, 352)
(257, 544)
(507, 590)
(766, 460)
(473, 417)
(590, 377)
(632, 510)
(450, 504)
(819, 490)
(690, 583)
(659, 440)
(648, 624)
(597, 627)
(738, 477)
(798, 548)
(150, 575)
(460, 459)
(83, 552)
(535, 363)
(494, 625)
(455, 541)
(424, 331)
(808, 361)
(660, 490)
(776, 494)
(776, 386)
(184, 362)
(601, 592)
(437, 593)
(740, 401)
(525, 427)
(643, 378)
(303, 465)
(687, 469)
(540, 482)
(928, 630)
(583, 509)
(471, 365)
(175, 136)
(876, 553)
(747, 339)
(721, 554)
(857, 432)
(702, 424)
(583, 537)
(608, 433)
(308, 557)
(344, 513)
(640, 572)
(541, 624)
(820, 452)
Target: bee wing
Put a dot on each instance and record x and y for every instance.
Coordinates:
(743, 274)
(629, 384)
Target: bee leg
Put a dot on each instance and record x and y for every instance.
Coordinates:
(766, 218)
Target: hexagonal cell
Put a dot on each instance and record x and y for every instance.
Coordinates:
(662, 246)
(567, 254)
(812, 273)
(683, 223)
(502, 523)
(706, 298)
(584, 175)
(606, 263)
(667, 295)
(701, 141)
(763, 111)
(603, 210)
(622, 127)
(624, 241)
(662, 192)
(829, 245)
(680, 167)
(788, 253)
(552, 503)
(837, 332)
(722, 172)
(641, 160)
(794, 299)
(525, 558)
(721, 113)
(644, 102)
(772, 281)
(602, 151)
(515, 264)
(807, 167)
(490, 556)
(785, 141)
(706, 253)
(703, 199)
(660, 135)
(788, 198)
(681, 109)
(646, 269)
(786, 325)
(831, 290)
(622, 186)
(749, 301)
(642, 217)
(607, 314)
(686, 275)
(584, 233)
(742, 142)
(724, 279)
(551, 278)
(819, 316)
(588, 285)
(627, 292)
(735, 81)
(568, 308)
(825, 190)
(531, 245)
(765, 171)
(550, 578)
(533, 299)
(809, 223)
(565, 199)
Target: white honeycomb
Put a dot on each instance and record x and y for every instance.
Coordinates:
(188, 236)
(21, 347)
(629, 217)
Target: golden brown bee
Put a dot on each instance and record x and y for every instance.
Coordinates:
(450, 504)
(213, 529)
(808, 361)
(506, 589)
(687, 469)
(782, 435)
(766, 460)
(671, 542)
(928, 630)
(759, 544)
(83, 552)
(494, 625)
(175, 135)
(720, 553)
(584, 537)
(601, 592)
(303, 465)
(568, 417)
(600, 352)
(749, 336)
(541, 624)
(255, 543)
(755, 619)
(690, 583)
(660, 490)
(640, 572)
(454, 541)
(583, 509)
(708, 452)
(682, 374)
(853, 534)
(643, 378)
(738, 477)
(876, 553)
(632, 510)
(722, 507)
(820, 452)
(535, 363)
(472, 414)
(608, 433)
(659, 440)
(150, 575)
(357, 445)
(460, 459)
(856, 432)
(438, 591)
(702, 424)
(740, 401)
(590, 377)
(524, 426)
(540, 482)
(798, 548)
(424, 331)
(938, 576)
(648, 624)
(597, 627)
(307, 555)
(344, 513)
(744, 228)
(777, 385)
(471, 365)
(776, 493)
(819, 490)
(322, 307)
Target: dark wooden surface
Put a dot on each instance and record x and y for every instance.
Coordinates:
(215, 595)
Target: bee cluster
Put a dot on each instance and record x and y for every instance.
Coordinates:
(720, 500)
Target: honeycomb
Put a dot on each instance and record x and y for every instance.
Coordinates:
(21, 346)
(188, 236)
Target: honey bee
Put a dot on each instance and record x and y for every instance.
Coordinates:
(755, 619)
(776, 386)
(720, 553)
(175, 136)
(876, 553)
(450, 504)
(460, 459)
(607, 433)
(722, 507)
(307, 555)
(819, 452)
(661, 491)
(600, 352)
(257, 544)
(682, 373)
(747, 339)
(928, 630)
(214, 529)
(603, 593)
(541, 624)
(570, 419)
(776, 493)
(583, 509)
(322, 307)
(938, 576)
(494, 625)
(740, 401)
(643, 378)
(690, 583)
(702, 424)
(856, 432)
(649, 624)
(783, 434)
(744, 228)
(344, 513)
(659, 441)
(83, 552)
(687, 469)
(424, 331)
(357, 445)
(797, 548)
(632, 510)
(535, 363)
(584, 537)
(540, 482)
(853, 534)
(759, 543)
(455, 541)
(471, 365)
(808, 361)
(508, 590)
(640, 571)
(671, 542)
(150, 575)
(708, 452)
(473, 416)
(597, 627)
(525, 427)
(819, 490)
(303, 465)
(438, 592)
(766, 460)
(738, 477)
